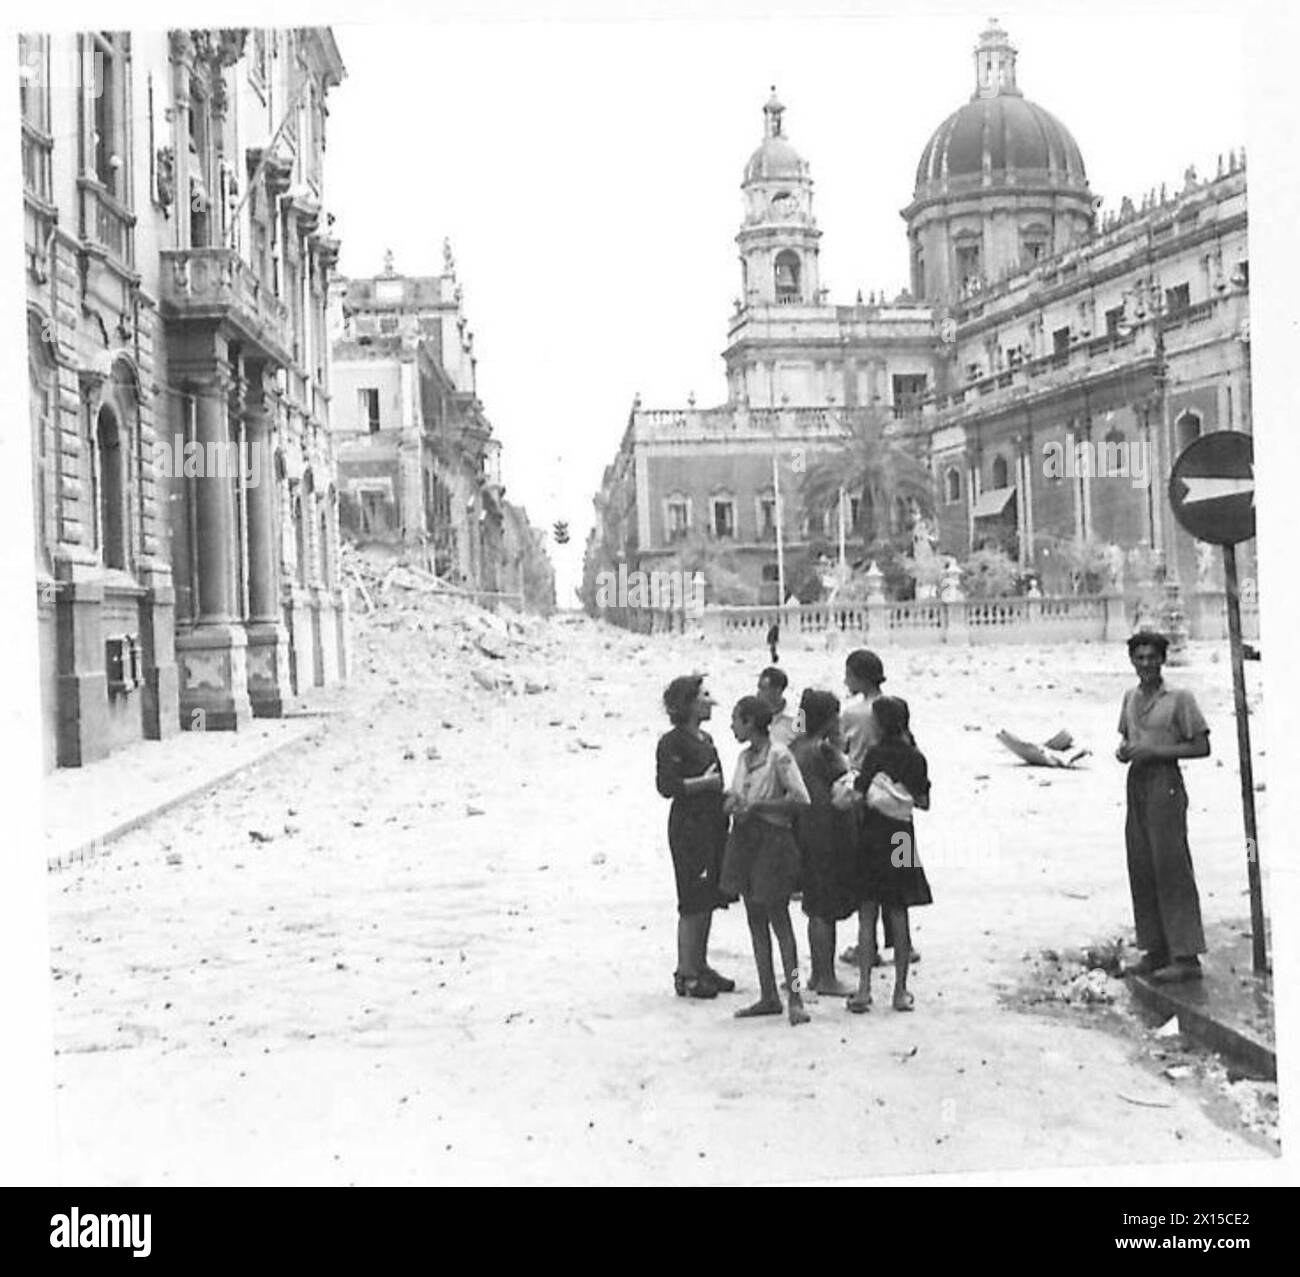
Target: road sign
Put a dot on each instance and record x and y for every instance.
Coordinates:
(1212, 487)
(1212, 492)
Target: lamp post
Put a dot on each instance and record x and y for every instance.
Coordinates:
(1173, 619)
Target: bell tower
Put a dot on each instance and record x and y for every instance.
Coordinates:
(778, 237)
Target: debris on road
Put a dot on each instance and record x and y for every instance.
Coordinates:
(1149, 1103)
(1056, 751)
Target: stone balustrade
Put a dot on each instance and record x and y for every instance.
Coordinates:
(1018, 620)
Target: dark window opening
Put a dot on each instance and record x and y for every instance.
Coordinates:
(1178, 299)
(108, 156)
(1061, 341)
(1187, 429)
(787, 277)
(909, 390)
(968, 262)
(369, 397)
(724, 519)
(112, 503)
(1000, 472)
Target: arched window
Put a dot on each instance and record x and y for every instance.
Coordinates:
(952, 485)
(299, 539)
(110, 457)
(722, 521)
(968, 261)
(1187, 429)
(787, 276)
(1000, 474)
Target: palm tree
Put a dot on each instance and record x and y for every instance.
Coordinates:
(876, 462)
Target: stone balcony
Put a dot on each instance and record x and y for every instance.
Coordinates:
(1084, 359)
(207, 285)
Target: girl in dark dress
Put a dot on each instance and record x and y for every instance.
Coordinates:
(687, 770)
(889, 873)
(826, 837)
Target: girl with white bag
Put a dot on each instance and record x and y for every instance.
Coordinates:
(895, 780)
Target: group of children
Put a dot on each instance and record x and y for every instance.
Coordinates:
(821, 807)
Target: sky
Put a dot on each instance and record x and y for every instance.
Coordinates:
(587, 175)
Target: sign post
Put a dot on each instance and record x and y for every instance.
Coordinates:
(1212, 492)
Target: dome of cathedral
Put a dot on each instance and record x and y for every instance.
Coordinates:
(1007, 137)
(775, 157)
(998, 138)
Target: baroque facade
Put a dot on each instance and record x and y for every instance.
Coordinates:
(177, 263)
(418, 464)
(1040, 347)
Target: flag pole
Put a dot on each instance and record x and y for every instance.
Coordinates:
(780, 549)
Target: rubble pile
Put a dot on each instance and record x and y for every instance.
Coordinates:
(1086, 976)
(410, 626)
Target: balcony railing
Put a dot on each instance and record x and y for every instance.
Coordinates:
(107, 224)
(216, 283)
(1017, 380)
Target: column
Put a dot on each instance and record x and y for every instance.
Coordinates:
(268, 639)
(1029, 465)
(1023, 550)
(212, 653)
(1085, 434)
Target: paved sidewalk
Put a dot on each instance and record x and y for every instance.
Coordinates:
(1230, 1009)
(87, 807)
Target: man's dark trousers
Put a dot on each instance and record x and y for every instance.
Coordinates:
(1166, 906)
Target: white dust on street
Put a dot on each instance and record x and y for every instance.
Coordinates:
(436, 944)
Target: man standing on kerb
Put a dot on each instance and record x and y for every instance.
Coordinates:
(1160, 725)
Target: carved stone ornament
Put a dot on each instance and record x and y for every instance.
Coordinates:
(223, 47)
(165, 176)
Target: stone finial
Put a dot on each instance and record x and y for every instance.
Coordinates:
(772, 111)
(950, 585)
(875, 580)
(448, 261)
(690, 399)
(388, 263)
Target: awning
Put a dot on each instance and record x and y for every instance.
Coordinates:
(990, 504)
